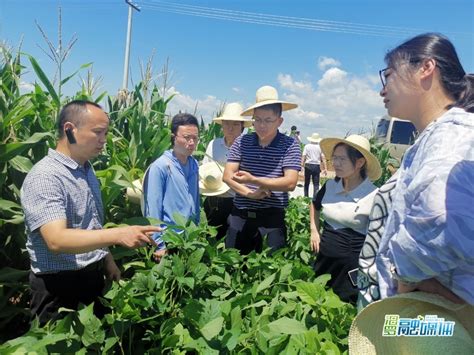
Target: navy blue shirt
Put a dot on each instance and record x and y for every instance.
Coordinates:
(283, 152)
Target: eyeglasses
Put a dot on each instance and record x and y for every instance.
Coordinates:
(265, 121)
(339, 160)
(187, 138)
(382, 76)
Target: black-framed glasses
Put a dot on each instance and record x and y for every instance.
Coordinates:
(382, 76)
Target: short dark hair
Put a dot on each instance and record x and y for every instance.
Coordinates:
(293, 128)
(275, 108)
(454, 80)
(353, 155)
(73, 112)
(182, 119)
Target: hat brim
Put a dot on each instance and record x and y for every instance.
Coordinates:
(285, 106)
(374, 170)
(247, 121)
(211, 192)
(365, 335)
(312, 140)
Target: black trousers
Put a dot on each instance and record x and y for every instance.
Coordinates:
(311, 171)
(217, 211)
(66, 289)
(247, 228)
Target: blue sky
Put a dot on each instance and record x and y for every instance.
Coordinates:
(322, 54)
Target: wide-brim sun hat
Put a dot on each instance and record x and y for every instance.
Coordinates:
(314, 138)
(210, 179)
(232, 112)
(366, 335)
(361, 144)
(268, 95)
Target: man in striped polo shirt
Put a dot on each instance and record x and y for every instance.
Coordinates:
(261, 168)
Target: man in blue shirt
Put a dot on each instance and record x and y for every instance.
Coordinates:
(261, 168)
(63, 211)
(171, 184)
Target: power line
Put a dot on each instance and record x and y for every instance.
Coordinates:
(282, 21)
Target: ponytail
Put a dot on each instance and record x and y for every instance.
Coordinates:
(466, 96)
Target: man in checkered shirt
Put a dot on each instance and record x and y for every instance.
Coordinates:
(64, 215)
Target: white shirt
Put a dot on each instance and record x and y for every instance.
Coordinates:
(218, 151)
(312, 152)
(351, 209)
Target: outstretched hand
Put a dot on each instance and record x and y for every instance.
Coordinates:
(136, 236)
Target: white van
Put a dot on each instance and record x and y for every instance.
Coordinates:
(396, 134)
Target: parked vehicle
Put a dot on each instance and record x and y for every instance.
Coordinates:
(396, 134)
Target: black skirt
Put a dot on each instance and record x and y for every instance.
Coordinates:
(339, 251)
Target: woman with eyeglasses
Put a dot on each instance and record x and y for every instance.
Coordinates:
(345, 204)
(428, 242)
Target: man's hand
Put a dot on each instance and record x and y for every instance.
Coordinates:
(244, 177)
(430, 286)
(111, 270)
(157, 255)
(259, 194)
(136, 236)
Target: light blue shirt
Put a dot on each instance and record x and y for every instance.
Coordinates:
(430, 230)
(171, 189)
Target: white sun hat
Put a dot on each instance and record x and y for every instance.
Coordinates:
(232, 112)
(314, 138)
(210, 179)
(362, 145)
(268, 95)
(374, 330)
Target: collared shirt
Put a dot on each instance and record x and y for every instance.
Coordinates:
(58, 188)
(430, 230)
(351, 209)
(313, 153)
(282, 153)
(171, 189)
(218, 151)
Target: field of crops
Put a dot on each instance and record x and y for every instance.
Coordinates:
(202, 298)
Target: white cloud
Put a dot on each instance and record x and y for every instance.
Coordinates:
(26, 87)
(332, 104)
(336, 104)
(236, 90)
(204, 107)
(325, 62)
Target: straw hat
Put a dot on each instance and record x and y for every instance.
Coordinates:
(268, 95)
(365, 335)
(232, 113)
(374, 171)
(210, 179)
(315, 138)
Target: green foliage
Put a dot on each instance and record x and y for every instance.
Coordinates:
(202, 298)
(207, 299)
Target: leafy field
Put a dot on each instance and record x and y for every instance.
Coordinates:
(202, 298)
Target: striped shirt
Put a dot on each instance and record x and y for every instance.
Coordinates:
(282, 153)
(58, 188)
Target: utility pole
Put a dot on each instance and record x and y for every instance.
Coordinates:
(131, 7)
